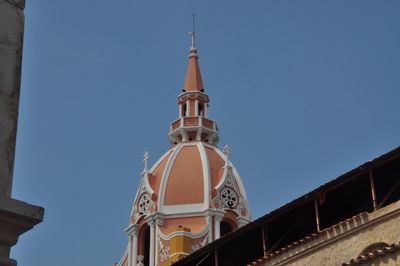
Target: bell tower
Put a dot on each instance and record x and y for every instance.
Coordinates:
(193, 123)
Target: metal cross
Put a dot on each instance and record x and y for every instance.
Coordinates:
(193, 35)
(145, 159)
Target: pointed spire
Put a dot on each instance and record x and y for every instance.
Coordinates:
(193, 81)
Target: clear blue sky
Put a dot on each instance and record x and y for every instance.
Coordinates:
(302, 91)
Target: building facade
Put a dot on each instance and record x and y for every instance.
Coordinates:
(193, 194)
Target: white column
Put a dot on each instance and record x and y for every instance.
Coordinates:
(196, 107)
(130, 245)
(159, 222)
(152, 224)
(205, 109)
(209, 222)
(133, 244)
(187, 107)
(156, 247)
(217, 225)
(180, 110)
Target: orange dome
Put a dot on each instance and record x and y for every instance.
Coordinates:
(187, 177)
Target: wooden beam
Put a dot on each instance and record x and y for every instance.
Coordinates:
(316, 207)
(205, 257)
(373, 192)
(216, 257)
(287, 232)
(264, 238)
(388, 194)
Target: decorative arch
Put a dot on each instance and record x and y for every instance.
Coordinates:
(374, 247)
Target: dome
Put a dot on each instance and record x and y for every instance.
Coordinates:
(190, 178)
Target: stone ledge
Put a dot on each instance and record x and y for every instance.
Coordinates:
(16, 217)
(20, 208)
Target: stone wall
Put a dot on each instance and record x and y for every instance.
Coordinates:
(345, 241)
(11, 37)
(16, 216)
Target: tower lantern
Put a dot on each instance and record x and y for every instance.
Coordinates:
(193, 123)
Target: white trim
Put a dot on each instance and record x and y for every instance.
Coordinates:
(206, 174)
(140, 183)
(184, 135)
(157, 252)
(175, 253)
(147, 184)
(218, 217)
(235, 172)
(183, 208)
(189, 234)
(223, 178)
(165, 175)
(180, 110)
(151, 224)
(209, 221)
(159, 160)
(193, 128)
(185, 214)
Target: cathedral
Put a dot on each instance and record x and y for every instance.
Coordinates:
(193, 194)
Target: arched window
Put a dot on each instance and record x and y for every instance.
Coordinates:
(225, 228)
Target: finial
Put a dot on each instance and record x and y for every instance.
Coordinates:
(227, 151)
(193, 35)
(145, 159)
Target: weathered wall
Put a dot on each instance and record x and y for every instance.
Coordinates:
(11, 36)
(16, 216)
(345, 242)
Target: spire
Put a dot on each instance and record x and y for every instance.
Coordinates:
(193, 123)
(193, 81)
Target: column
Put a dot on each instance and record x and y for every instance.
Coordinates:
(209, 222)
(152, 224)
(187, 108)
(159, 222)
(133, 244)
(217, 225)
